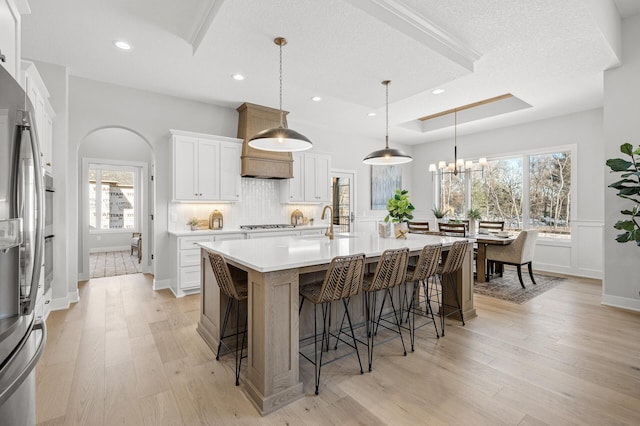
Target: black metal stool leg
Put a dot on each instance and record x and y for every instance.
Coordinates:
(224, 327)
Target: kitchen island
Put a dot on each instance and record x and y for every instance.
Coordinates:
(275, 268)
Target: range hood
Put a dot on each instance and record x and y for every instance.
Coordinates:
(255, 162)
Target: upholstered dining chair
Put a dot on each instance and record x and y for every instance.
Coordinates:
(518, 253)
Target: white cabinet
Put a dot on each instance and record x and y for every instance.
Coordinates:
(205, 167)
(311, 182)
(230, 180)
(43, 112)
(10, 37)
(187, 261)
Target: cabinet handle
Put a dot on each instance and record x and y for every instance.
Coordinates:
(46, 302)
(48, 164)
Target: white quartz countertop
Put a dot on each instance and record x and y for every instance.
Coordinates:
(280, 253)
(188, 232)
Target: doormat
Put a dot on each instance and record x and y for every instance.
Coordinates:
(508, 286)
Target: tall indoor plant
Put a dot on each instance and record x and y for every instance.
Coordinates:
(629, 188)
(400, 212)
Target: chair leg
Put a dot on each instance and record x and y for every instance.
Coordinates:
(353, 335)
(224, 327)
(519, 268)
(238, 360)
(429, 309)
(370, 302)
(531, 273)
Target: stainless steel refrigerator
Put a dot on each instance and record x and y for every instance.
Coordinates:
(22, 337)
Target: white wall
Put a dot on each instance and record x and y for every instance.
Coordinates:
(621, 105)
(585, 130)
(94, 105)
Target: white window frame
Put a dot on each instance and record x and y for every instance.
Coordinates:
(139, 170)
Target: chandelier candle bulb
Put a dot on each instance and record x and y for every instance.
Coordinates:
(483, 162)
(432, 167)
(468, 164)
(460, 163)
(442, 165)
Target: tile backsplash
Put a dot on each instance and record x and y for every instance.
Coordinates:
(259, 204)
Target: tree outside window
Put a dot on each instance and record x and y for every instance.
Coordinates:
(499, 193)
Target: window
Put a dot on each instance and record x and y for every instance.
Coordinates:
(113, 196)
(530, 191)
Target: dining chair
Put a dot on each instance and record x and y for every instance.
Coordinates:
(491, 225)
(390, 272)
(453, 229)
(236, 292)
(136, 244)
(518, 253)
(342, 280)
(418, 227)
(446, 272)
(419, 275)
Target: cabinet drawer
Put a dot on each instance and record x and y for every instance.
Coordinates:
(190, 277)
(189, 257)
(272, 234)
(191, 242)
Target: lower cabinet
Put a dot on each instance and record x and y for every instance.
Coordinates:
(187, 276)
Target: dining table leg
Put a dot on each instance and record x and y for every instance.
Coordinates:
(481, 263)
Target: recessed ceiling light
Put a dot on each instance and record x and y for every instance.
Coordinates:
(121, 44)
(371, 114)
(316, 99)
(437, 91)
(238, 77)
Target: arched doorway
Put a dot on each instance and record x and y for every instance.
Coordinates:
(116, 198)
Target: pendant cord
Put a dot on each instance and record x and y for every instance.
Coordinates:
(455, 138)
(281, 114)
(387, 116)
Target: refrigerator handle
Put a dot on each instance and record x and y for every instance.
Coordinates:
(30, 365)
(28, 303)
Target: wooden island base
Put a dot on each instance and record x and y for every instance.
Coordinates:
(271, 379)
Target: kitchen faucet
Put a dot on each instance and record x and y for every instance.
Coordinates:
(329, 232)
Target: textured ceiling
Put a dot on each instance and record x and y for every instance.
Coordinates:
(549, 54)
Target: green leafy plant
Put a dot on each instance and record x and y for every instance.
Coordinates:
(474, 214)
(193, 221)
(399, 207)
(438, 213)
(628, 187)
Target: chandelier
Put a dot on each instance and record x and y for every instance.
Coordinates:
(458, 165)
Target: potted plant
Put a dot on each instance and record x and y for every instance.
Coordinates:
(628, 187)
(193, 222)
(473, 215)
(439, 213)
(400, 212)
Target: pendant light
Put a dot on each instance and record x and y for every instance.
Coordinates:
(280, 139)
(387, 156)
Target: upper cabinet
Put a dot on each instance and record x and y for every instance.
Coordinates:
(311, 182)
(43, 112)
(205, 167)
(10, 37)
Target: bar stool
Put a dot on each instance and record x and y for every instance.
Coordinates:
(390, 272)
(424, 269)
(342, 280)
(235, 292)
(453, 264)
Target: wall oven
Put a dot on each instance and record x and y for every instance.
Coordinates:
(48, 231)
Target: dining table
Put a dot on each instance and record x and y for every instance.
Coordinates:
(274, 269)
(484, 240)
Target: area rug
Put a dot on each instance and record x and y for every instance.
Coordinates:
(113, 263)
(508, 286)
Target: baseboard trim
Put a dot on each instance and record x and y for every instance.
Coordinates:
(621, 302)
(62, 303)
(161, 284)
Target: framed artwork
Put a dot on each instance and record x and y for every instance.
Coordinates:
(384, 182)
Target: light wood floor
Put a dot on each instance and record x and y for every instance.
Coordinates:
(128, 355)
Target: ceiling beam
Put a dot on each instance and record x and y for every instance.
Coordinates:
(406, 20)
(468, 106)
(205, 24)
